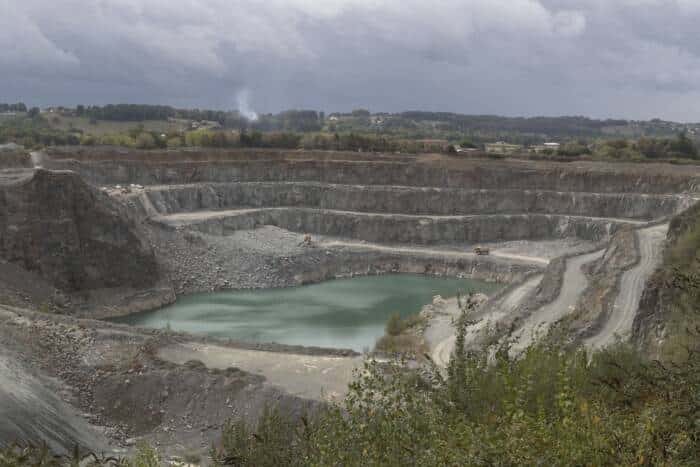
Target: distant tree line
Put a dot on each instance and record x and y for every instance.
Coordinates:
(33, 132)
(680, 147)
(290, 120)
(18, 107)
(138, 112)
(551, 126)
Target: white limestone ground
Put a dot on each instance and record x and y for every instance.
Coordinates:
(306, 376)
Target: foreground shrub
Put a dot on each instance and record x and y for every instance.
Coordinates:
(552, 406)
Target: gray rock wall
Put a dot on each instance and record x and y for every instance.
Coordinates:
(486, 176)
(346, 263)
(412, 200)
(54, 224)
(411, 229)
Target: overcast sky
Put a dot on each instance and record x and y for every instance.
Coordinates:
(601, 58)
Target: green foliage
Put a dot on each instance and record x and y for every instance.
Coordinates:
(274, 441)
(680, 147)
(146, 456)
(394, 326)
(573, 149)
(34, 132)
(397, 339)
(676, 287)
(145, 141)
(550, 407)
(18, 107)
(406, 344)
(408, 132)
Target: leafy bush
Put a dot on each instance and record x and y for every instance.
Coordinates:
(394, 326)
(552, 406)
(404, 343)
(274, 441)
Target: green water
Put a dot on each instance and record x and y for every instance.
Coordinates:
(344, 313)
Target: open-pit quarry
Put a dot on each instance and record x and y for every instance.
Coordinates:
(96, 234)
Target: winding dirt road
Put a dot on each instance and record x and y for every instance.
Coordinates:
(573, 285)
(440, 335)
(651, 242)
(434, 251)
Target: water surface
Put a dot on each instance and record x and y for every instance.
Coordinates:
(343, 313)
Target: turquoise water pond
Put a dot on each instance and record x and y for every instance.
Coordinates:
(344, 313)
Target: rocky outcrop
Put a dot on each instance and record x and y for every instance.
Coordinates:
(668, 304)
(54, 224)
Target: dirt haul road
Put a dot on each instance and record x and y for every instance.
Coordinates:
(573, 285)
(440, 335)
(619, 324)
(434, 252)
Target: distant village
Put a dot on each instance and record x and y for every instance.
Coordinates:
(504, 148)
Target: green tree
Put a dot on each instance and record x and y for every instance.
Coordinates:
(684, 146)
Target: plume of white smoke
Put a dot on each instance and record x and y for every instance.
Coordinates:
(244, 108)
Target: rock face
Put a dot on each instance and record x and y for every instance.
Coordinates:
(411, 200)
(401, 229)
(663, 291)
(54, 224)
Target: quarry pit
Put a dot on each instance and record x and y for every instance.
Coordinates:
(104, 233)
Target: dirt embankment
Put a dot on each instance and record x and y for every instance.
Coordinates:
(538, 322)
(619, 285)
(595, 306)
(104, 386)
(667, 307)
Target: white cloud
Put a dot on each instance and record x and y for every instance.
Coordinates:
(505, 56)
(25, 46)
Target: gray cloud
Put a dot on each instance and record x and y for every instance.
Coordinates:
(622, 58)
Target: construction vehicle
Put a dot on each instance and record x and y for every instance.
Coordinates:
(481, 251)
(307, 241)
